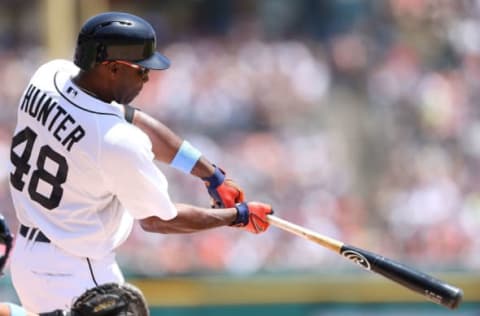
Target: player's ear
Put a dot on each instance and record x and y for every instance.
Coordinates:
(111, 67)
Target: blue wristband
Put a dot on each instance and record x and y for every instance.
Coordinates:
(16, 310)
(242, 214)
(217, 178)
(186, 157)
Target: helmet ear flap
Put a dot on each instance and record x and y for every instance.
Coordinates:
(101, 53)
(86, 54)
(114, 68)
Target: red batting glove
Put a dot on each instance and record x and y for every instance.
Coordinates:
(229, 193)
(224, 192)
(252, 216)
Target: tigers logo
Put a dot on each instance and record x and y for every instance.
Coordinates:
(70, 90)
(357, 258)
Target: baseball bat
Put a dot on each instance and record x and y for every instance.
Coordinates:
(433, 289)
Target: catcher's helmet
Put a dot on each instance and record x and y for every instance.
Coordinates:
(118, 36)
(6, 239)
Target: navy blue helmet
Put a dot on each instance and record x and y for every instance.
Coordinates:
(114, 36)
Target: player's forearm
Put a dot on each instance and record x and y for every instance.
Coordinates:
(165, 143)
(190, 219)
(6, 310)
(180, 154)
(203, 168)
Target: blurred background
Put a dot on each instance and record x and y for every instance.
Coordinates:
(357, 119)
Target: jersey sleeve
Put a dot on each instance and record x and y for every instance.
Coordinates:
(139, 185)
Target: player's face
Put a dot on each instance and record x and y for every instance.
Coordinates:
(129, 80)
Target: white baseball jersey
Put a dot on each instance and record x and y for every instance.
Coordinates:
(79, 172)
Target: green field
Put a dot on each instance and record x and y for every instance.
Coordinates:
(344, 309)
(292, 295)
(299, 295)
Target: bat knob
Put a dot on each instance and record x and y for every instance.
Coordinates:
(456, 298)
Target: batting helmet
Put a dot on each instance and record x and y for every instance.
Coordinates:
(118, 36)
(6, 239)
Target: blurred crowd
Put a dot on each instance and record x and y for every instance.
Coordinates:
(364, 126)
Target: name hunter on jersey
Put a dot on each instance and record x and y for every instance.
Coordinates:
(51, 115)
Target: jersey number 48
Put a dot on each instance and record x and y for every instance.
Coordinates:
(22, 167)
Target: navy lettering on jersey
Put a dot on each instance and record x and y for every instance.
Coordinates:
(50, 114)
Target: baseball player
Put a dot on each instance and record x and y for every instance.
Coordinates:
(10, 309)
(6, 240)
(81, 173)
(110, 299)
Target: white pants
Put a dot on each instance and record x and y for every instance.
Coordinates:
(47, 278)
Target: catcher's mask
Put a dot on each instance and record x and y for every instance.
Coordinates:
(6, 240)
(115, 36)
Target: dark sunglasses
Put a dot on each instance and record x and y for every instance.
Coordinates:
(142, 71)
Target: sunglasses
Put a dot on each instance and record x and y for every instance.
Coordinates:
(142, 71)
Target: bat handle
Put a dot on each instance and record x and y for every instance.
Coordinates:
(303, 232)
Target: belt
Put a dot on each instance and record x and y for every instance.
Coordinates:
(33, 232)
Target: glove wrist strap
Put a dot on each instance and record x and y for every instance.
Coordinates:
(242, 214)
(216, 179)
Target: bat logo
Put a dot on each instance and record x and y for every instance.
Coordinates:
(433, 296)
(357, 258)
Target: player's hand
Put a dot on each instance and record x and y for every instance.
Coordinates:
(224, 192)
(252, 216)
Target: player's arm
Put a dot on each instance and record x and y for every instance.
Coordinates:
(251, 216)
(4, 309)
(10, 309)
(169, 148)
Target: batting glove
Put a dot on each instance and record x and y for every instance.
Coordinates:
(224, 192)
(252, 216)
